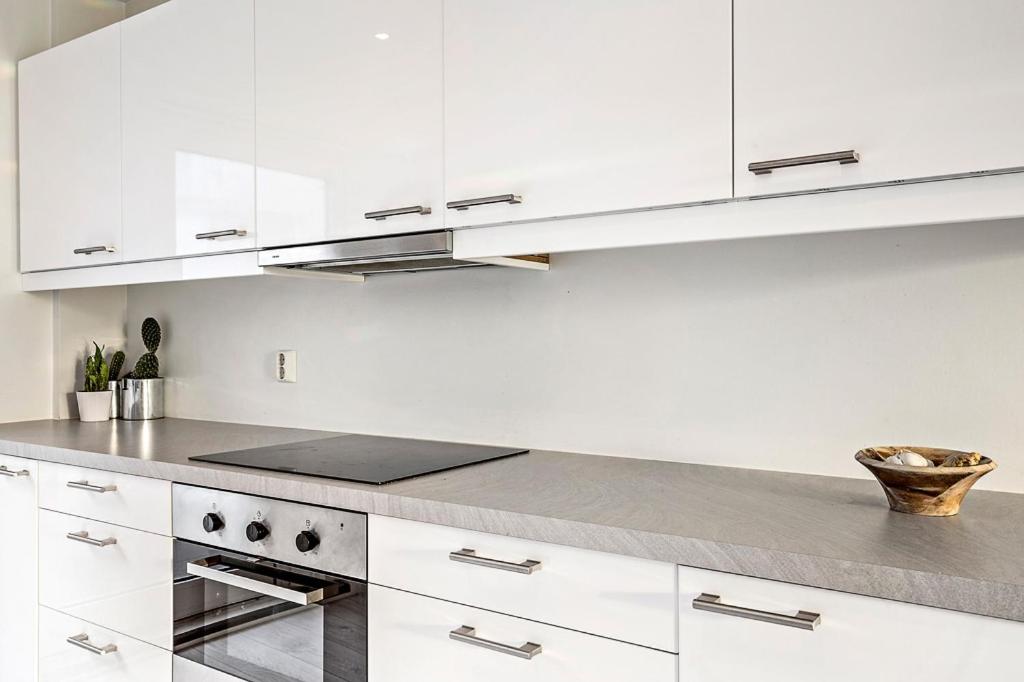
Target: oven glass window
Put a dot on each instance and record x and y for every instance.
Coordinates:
(263, 621)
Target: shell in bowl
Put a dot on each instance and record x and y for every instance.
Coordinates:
(928, 491)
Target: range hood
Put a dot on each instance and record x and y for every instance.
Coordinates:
(383, 255)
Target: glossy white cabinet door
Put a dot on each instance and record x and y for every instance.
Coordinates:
(18, 569)
(125, 585)
(409, 640)
(61, 661)
(580, 106)
(188, 128)
(570, 589)
(918, 88)
(349, 118)
(859, 638)
(69, 120)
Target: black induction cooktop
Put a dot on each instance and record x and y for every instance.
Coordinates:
(363, 459)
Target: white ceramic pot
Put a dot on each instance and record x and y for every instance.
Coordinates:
(94, 406)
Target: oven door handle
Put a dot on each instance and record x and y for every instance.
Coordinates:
(202, 569)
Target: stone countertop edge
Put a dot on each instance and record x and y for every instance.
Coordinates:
(956, 593)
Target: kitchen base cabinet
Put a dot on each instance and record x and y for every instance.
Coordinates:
(95, 654)
(18, 569)
(410, 638)
(109, 575)
(858, 638)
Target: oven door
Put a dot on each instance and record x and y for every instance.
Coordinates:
(263, 621)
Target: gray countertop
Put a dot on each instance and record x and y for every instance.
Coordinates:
(828, 532)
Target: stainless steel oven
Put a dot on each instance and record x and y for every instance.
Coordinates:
(267, 590)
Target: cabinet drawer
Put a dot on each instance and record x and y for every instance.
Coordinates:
(62, 661)
(632, 600)
(858, 638)
(419, 629)
(131, 501)
(125, 585)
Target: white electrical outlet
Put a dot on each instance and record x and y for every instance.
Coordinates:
(285, 366)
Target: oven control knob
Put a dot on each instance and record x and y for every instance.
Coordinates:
(212, 522)
(256, 531)
(306, 541)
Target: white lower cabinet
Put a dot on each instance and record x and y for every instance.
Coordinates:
(858, 638)
(73, 650)
(109, 575)
(410, 638)
(18, 570)
(625, 598)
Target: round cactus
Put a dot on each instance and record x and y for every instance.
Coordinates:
(151, 334)
(148, 367)
(116, 363)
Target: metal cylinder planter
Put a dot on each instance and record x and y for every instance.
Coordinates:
(142, 399)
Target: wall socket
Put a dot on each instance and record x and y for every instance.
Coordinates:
(285, 368)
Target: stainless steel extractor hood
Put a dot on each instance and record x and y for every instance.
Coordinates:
(378, 255)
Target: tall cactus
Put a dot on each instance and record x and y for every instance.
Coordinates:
(148, 366)
(116, 363)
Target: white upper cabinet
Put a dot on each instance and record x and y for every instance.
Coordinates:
(70, 153)
(349, 119)
(580, 106)
(916, 88)
(188, 129)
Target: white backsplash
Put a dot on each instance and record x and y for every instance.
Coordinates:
(782, 353)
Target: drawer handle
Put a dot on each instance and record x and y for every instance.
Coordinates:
(222, 233)
(467, 635)
(85, 485)
(82, 642)
(469, 556)
(766, 167)
(804, 620)
(466, 204)
(83, 537)
(89, 250)
(4, 471)
(388, 213)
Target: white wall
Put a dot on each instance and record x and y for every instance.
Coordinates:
(782, 353)
(25, 319)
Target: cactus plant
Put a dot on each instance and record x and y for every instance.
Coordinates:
(151, 334)
(116, 363)
(97, 371)
(148, 367)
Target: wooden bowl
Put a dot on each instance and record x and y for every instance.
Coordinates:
(927, 491)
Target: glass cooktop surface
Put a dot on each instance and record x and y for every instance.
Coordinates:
(363, 459)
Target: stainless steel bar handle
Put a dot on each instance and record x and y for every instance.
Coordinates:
(466, 204)
(82, 642)
(201, 569)
(804, 620)
(83, 537)
(85, 485)
(4, 471)
(405, 210)
(89, 250)
(766, 167)
(467, 635)
(221, 233)
(469, 556)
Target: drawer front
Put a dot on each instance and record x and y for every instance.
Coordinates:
(62, 661)
(125, 585)
(858, 638)
(131, 501)
(410, 639)
(633, 600)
